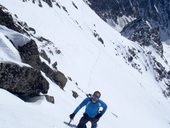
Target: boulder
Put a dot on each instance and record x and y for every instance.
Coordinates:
(50, 99)
(30, 55)
(22, 80)
(56, 76)
(74, 94)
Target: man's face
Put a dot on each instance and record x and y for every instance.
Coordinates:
(95, 97)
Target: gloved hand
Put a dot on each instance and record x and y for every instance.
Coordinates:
(72, 116)
(98, 116)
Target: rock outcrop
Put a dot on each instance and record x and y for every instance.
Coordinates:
(153, 13)
(30, 55)
(26, 80)
(139, 31)
(22, 80)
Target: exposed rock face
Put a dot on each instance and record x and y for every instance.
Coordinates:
(156, 11)
(50, 99)
(22, 80)
(30, 55)
(139, 30)
(56, 76)
(154, 15)
(75, 95)
(44, 55)
(26, 81)
(7, 20)
(49, 2)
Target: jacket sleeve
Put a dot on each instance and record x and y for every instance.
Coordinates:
(82, 104)
(104, 106)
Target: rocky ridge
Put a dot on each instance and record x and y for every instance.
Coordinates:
(25, 80)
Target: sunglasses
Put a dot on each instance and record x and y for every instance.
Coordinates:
(96, 97)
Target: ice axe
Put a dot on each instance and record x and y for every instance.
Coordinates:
(69, 124)
(70, 121)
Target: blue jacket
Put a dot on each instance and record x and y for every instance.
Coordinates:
(92, 109)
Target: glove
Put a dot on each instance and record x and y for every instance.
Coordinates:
(98, 116)
(72, 116)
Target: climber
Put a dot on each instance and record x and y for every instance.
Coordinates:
(92, 112)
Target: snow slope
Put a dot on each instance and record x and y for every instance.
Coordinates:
(135, 97)
(8, 51)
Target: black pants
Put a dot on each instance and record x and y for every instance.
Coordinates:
(85, 119)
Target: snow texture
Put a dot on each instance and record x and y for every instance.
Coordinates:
(136, 98)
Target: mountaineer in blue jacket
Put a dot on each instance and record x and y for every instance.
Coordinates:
(92, 111)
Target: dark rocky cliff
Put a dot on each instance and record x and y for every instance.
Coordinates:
(154, 15)
(157, 12)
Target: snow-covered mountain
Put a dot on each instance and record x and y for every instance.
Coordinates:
(62, 49)
(120, 13)
(144, 21)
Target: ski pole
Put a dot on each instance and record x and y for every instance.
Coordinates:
(115, 115)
